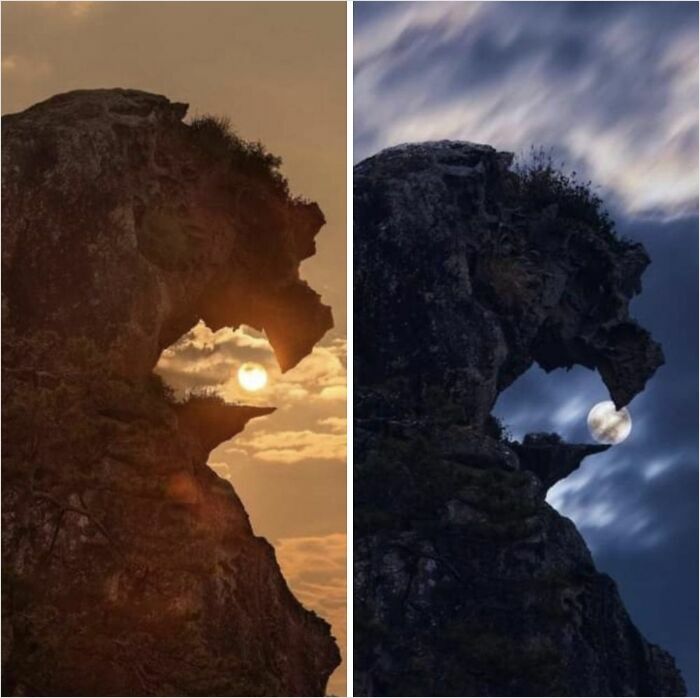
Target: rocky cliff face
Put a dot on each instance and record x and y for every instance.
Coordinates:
(466, 581)
(129, 567)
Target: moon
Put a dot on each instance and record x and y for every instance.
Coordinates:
(608, 425)
(252, 377)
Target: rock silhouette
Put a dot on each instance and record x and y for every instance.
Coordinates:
(129, 567)
(465, 581)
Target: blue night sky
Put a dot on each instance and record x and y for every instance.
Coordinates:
(612, 89)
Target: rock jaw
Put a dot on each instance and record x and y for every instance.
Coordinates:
(466, 581)
(120, 231)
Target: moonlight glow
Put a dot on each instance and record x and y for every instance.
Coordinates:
(608, 425)
(252, 377)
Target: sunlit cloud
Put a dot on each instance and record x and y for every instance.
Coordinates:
(613, 91)
(22, 68)
(51, 48)
(81, 9)
(304, 439)
(335, 424)
(222, 469)
(334, 392)
(315, 392)
(206, 361)
(315, 568)
(75, 9)
(293, 446)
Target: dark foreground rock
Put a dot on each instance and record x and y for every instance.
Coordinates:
(129, 567)
(466, 581)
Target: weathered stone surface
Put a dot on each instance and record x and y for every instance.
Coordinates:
(129, 567)
(466, 581)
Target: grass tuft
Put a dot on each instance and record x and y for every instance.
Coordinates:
(541, 183)
(215, 136)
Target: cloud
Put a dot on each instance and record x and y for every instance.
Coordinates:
(293, 446)
(299, 494)
(335, 424)
(221, 469)
(615, 498)
(315, 569)
(203, 359)
(618, 504)
(613, 90)
(636, 505)
(81, 9)
(23, 68)
(72, 9)
(621, 497)
(334, 392)
(313, 394)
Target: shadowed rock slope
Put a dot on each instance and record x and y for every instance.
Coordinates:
(129, 567)
(466, 581)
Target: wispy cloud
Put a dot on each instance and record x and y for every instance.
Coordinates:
(611, 87)
(636, 504)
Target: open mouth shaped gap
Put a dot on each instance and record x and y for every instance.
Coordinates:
(556, 402)
(236, 365)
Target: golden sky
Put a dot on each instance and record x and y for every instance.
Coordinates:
(278, 71)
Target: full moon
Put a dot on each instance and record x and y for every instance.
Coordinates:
(252, 377)
(608, 425)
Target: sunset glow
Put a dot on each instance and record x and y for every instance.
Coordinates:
(252, 377)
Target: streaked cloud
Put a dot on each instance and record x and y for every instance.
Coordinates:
(611, 87)
(615, 498)
(636, 504)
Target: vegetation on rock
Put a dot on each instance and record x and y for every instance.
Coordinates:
(215, 136)
(541, 183)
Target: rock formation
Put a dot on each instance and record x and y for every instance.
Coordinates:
(466, 581)
(130, 567)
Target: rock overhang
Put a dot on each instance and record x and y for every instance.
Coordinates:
(573, 310)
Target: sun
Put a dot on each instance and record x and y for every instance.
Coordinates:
(252, 377)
